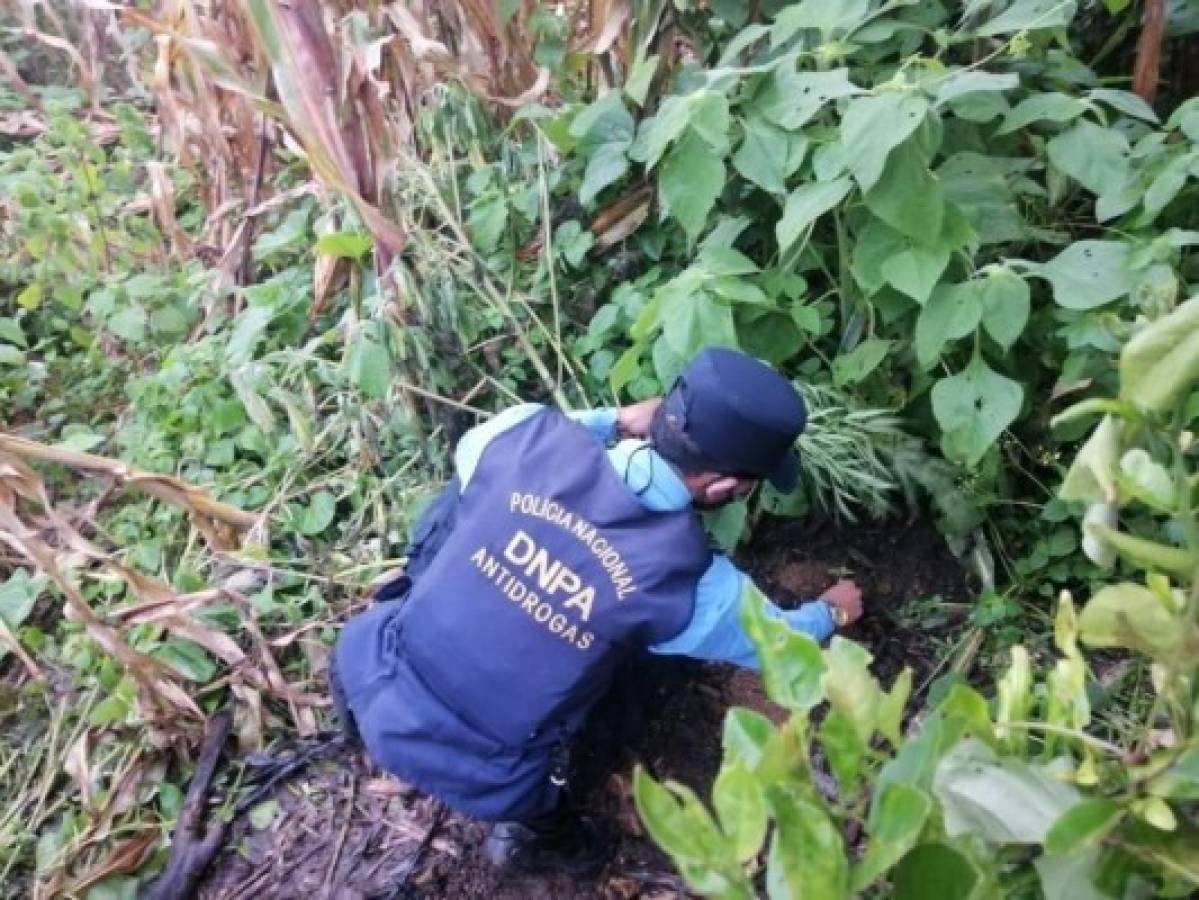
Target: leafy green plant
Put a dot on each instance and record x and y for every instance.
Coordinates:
(983, 797)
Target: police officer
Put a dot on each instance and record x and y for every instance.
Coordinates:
(565, 543)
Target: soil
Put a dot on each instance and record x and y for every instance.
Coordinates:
(345, 830)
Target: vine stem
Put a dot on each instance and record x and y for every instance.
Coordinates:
(1089, 739)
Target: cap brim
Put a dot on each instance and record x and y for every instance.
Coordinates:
(786, 474)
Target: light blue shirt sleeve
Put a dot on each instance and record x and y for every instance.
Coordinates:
(600, 422)
(715, 633)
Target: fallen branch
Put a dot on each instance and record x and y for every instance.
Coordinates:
(196, 841)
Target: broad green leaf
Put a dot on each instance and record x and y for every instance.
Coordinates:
(658, 132)
(969, 81)
(1002, 800)
(690, 323)
(318, 514)
(10, 330)
(11, 356)
(1095, 157)
(263, 815)
(1014, 700)
(636, 86)
(1181, 780)
(188, 659)
(973, 408)
(1124, 101)
(18, 595)
(915, 270)
(790, 98)
(849, 685)
(874, 126)
(1146, 479)
(978, 186)
(741, 808)
(791, 661)
(1070, 877)
(844, 749)
(829, 17)
(952, 312)
(625, 369)
(248, 329)
(891, 706)
(1145, 553)
(604, 131)
(1088, 274)
(768, 155)
(897, 821)
(345, 244)
(856, 365)
(725, 525)
(1028, 15)
(1092, 476)
(369, 367)
(873, 245)
(725, 261)
(807, 853)
(1083, 825)
(1129, 615)
(692, 178)
(30, 297)
(908, 197)
(129, 324)
(1006, 306)
(1160, 365)
(1050, 107)
(805, 205)
(709, 117)
(745, 736)
(936, 872)
(488, 217)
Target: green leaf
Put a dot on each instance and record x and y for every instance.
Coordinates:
(1088, 274)
(909, 197)
(829, 17)
(1124, 101)
(1003, 800)
(605, 131)
(935, 872)
(746, 734)
(897, 821)
(1006, 306)
(915, 270)
(768, 155)
(807, 853)
(1095, 157)
(188, 659)
(692, 178)
(344, 244)
(691, 322)
(129, 324)
(1083, 825)
(709, 118)
(790, 98)
(844, 749)
(978, 186)
(18, 596)
(318, 514)
(487, 219)
(792, 664)
(636, 86)
(1129, 615)
(263, 815)
(973, 408)
(248, 330)
(1070, 877)
(853, 367)
(1146, 479)
(369, 367)
(849, 685)
(1092, 476)
(970, 81)
(1051, 107)
(741, 807)
(727, 524)
(10, 330)
(952, 312)
(805, 205)
(30, 297)
(625, 369)
(874, 126)
(1027, 15)
(11, 356)
(658, 132)
(1159, 366)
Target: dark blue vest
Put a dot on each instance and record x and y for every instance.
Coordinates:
(553, 572)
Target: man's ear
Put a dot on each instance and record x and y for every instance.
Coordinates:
(721, 490)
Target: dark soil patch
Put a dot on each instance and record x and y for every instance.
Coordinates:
(345, 830)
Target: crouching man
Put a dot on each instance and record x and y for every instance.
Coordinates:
(564, 544)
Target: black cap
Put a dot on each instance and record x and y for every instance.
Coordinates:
(742, 416)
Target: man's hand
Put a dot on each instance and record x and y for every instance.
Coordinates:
(633, 421)
(846, 599)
